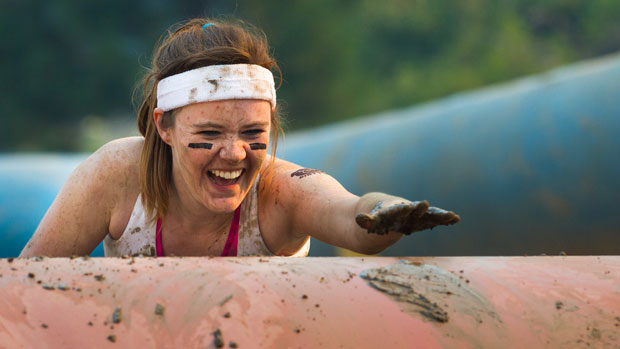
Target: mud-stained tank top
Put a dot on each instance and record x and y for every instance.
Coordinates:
(139, 235)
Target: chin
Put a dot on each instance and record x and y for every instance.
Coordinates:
(224, 205)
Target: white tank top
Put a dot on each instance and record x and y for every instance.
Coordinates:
(139, 235)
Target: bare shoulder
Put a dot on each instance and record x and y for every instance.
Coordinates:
(285, 170)
(276, 213)
(298, 202)
(119, 162)
(296, 179)
(111, 172)
(276, 177)
(118, 157)
(94, 201)
(112, 175)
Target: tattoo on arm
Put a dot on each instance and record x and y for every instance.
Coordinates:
(200, 145)
(257, 146)
(305, 172)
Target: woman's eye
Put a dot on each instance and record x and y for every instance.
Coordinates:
(209, 133)
(253, 132)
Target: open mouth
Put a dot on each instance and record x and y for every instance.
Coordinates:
(224, 177)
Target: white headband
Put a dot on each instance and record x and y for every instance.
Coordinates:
(214, 83)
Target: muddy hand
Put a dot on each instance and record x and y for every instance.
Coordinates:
(405, 218)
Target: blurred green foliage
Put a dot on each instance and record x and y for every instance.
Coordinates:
(64, 61)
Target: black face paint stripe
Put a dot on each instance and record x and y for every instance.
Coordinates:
(257, 146)
(200, 145)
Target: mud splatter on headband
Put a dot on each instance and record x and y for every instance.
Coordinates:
(214, 83)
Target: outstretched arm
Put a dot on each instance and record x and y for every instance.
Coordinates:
(315, 204)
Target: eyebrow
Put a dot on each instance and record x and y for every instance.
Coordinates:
(210, 124)
(256, 124)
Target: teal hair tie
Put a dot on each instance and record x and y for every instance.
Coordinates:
(207, 25)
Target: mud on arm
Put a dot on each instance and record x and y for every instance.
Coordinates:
(322, 208)
(325, 210)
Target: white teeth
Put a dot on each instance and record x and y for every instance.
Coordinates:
(226, 174)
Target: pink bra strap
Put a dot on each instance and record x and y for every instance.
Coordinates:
(230, 249)
(158, 246)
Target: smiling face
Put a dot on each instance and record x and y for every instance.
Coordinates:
(218, 178)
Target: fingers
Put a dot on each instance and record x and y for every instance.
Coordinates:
(432, 217)
(372, 223)
(382, 220)
(439, 216)
(365, 221)
(405, 218)
(419, 208)
(397, 212)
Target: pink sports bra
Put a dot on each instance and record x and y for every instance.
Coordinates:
(230, 248)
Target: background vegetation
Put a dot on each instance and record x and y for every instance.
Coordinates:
(68, 68)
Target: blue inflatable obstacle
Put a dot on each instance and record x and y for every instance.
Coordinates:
(532, 166)
(28, 185)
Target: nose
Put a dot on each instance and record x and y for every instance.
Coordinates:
(233, 150)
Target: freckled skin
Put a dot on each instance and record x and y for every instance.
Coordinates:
(230, 151)
(293, 203)
(199, 208)
(405, 217)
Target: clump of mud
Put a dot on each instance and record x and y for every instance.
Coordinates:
(429, 291)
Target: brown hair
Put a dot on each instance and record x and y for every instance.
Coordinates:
(184, 47)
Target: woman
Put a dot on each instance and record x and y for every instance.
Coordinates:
(200, 181)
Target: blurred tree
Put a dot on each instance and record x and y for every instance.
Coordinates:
(65, 59)
(61, 61)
